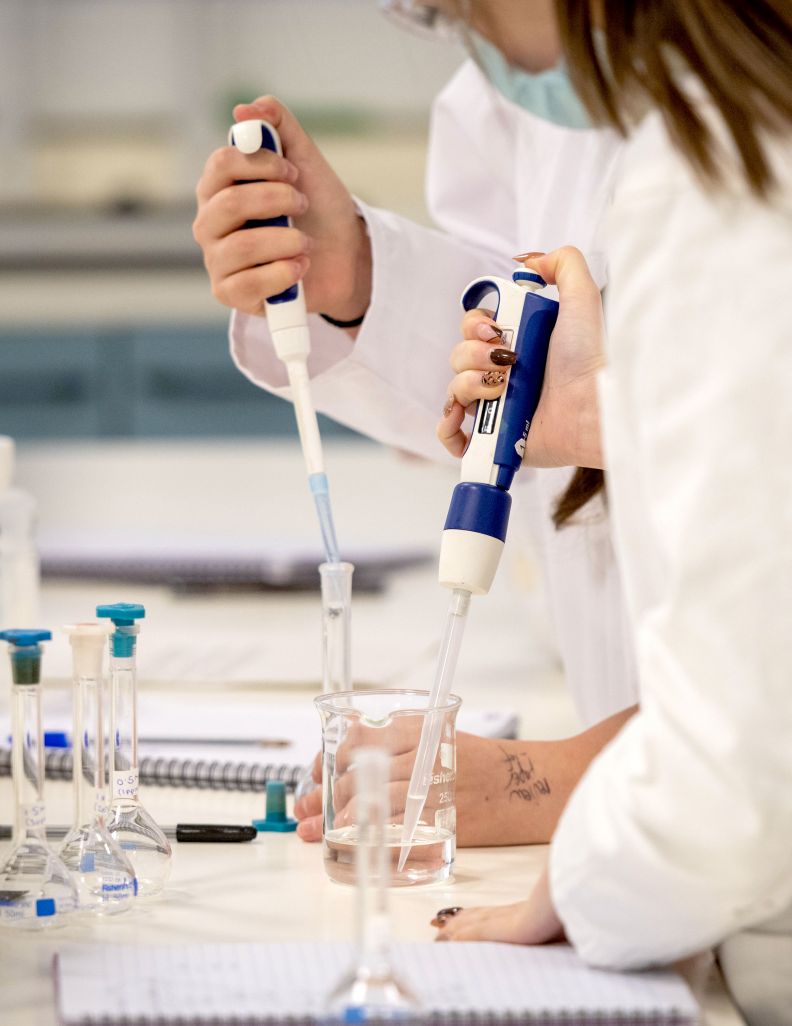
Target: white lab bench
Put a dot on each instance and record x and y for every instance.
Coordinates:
(275, 888)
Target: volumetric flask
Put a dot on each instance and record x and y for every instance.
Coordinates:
(390, 720)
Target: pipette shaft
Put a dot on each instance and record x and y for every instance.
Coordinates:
(431, 730)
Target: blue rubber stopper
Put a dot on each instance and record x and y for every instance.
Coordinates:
(123, 614)
(276, 821)
(25, 638)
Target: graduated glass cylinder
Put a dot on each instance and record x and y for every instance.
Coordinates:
(390, 720)
(336, 589)
(336, 582)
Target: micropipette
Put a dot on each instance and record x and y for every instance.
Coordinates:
(130, 825)
(475, 528)
(36, 890)
(288, 323)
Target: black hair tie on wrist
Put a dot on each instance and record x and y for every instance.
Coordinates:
(343, 324)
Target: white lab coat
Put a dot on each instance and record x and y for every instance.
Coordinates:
(680, 833)
(500, 181)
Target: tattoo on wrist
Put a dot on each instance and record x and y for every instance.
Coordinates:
(522, 781)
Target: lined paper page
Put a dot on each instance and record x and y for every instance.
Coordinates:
(268, 982)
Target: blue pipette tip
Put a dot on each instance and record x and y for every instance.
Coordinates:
(321, 492)
(276, 821)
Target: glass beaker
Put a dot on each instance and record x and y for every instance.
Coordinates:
(390, 720)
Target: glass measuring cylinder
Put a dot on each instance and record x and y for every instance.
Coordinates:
(390, 720)
(371, 991)
(36, 890)
(104, 875)
(336, 589)
(130, 825)
(336, 581)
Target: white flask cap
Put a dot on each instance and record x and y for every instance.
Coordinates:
(88, 642)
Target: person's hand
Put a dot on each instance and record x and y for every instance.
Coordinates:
(489, 810)
(534, 921)
(327, 247)
(565, 429)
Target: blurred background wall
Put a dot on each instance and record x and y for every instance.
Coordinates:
(108, 110)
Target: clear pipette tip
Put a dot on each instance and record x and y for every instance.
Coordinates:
(418, 787)
(321, 493)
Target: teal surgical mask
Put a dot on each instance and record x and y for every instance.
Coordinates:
(547, 94)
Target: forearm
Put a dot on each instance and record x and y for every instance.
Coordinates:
(513, 792)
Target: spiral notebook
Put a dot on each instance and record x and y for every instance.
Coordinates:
(268, 984)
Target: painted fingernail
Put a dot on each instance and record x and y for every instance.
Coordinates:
(529, 256)
(489, 333)
(451, 911)
(502, 357)
(492, 378)
(439, 921)
(449, 405)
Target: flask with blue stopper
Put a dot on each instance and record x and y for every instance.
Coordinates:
(130, 825)
(475, 528)
(36, 889)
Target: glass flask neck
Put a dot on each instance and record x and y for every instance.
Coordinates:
(123, 729)
(90, 790)
(27, 765)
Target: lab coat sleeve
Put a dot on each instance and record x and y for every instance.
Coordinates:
(392, 381)
(680, 833)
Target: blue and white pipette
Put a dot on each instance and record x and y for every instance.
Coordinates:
(288, 323)
(475, 528)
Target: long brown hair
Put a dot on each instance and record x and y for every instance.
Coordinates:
(741, 53)
(739, 50)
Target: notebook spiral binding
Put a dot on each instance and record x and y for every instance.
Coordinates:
(429, 1018)
(203, 774)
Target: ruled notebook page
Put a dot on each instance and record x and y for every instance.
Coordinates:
(270, 982)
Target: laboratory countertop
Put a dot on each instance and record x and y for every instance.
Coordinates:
(275, 888)
(271, 889)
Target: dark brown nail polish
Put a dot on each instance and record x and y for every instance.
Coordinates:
(451, 911)
(492, 378)
(502, 357)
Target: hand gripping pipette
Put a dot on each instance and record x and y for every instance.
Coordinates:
(475, 528)
(288, 323)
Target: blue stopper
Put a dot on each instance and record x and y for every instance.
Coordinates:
(519, 276)
(45, 907)
(123, 615)
(25, 638)
(276, 820)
